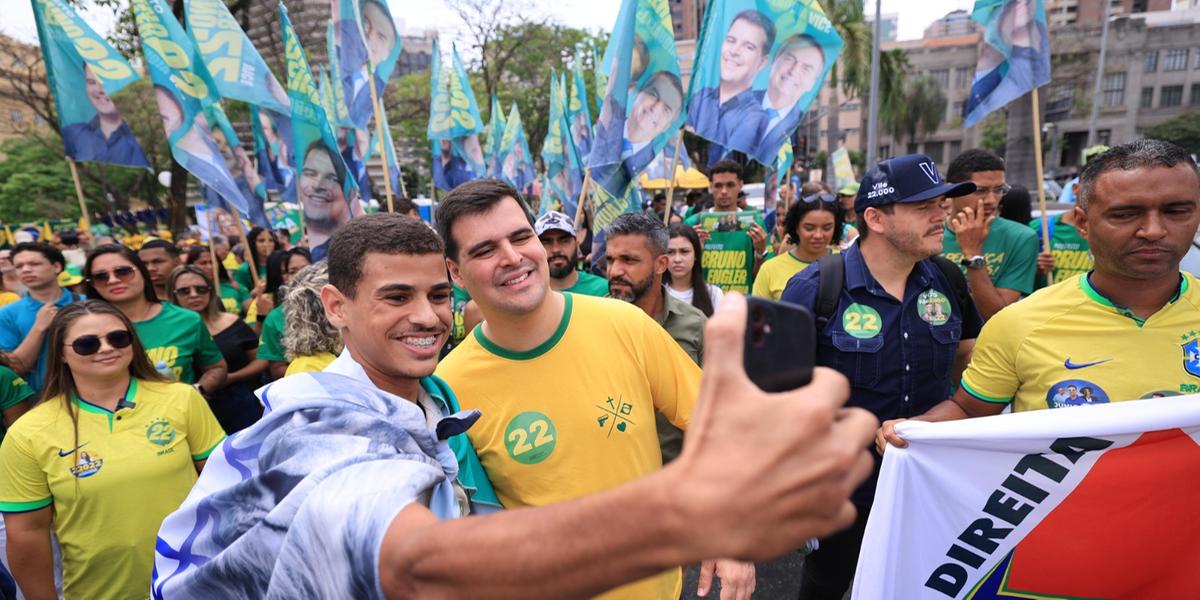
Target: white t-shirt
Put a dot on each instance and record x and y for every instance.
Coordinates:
(714, 292)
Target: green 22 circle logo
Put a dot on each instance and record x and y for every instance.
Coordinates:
(530, 437)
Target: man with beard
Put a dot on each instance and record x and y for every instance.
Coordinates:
(557, 233)
(900, 362)
(637, 259)
(322, 196)
(567, 383)
(105, 138)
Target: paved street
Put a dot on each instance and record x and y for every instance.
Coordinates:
(777, 580)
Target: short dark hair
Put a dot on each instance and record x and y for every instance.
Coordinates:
(403, 205)
(975, 160)
(472, 198)
(171, 249)
(339, 168)
(1126, 157)
(640, 223)
(384, 233)
(726, 166)
(754, 17)
(52, 254)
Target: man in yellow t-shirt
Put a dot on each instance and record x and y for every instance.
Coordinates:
(568, 385)
(1126, 330)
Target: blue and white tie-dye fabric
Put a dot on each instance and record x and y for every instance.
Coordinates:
(296, 506)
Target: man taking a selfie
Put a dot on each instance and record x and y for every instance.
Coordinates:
(893, 317)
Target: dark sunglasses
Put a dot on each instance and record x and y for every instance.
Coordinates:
(87, 345)
(820, 197)
(199, 290)
(121, 273)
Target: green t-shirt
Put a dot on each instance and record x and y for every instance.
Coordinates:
(270, 343)
(232, 297)
(729, 252)
(1072, 255)
(177, 339)
(1011, 251)
(589, 285)
(13, 391)
(242, 275)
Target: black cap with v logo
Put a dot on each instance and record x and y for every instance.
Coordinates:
(908, 178)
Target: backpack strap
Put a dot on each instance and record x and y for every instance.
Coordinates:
(831, 276)
(958, 281)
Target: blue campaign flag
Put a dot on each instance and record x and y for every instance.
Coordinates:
(579, 111)
(495, 134)
(327, 191)
(1014, 55)
(78, 59)
(266, 151)
(660, 167)
(557, 150)
(182, 89)
(364, 34)
(235, 65)
(515, 162)
(340, 116)
(643, 104)
(759, 64)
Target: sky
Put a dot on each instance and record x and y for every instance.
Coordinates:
(419, 15)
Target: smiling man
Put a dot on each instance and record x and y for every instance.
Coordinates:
(321, 196)
(730, 113)
(798, 65)
(654, 109)
(557, 233)
(568, 384)
(1127, 329)
(106, 137)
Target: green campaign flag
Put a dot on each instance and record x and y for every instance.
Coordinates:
(235, 65)
(579, 111)
(516, 165)
(340, 115)
(439, 97)
(328, 195)
(495, 134)
(182, 89)
(78, 59)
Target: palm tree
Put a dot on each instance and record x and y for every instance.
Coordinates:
(852, 71)
(919, 110)
(893, 71)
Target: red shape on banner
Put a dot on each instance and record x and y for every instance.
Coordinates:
(1128, 530)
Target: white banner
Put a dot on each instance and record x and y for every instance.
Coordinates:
(1093, 502)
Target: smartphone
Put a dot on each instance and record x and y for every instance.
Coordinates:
(780, 345)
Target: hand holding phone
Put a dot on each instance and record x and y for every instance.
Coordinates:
(780, 345)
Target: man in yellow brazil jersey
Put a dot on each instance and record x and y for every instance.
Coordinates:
(1124, 331)
(568, 384)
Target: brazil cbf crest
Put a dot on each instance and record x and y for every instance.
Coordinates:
(1191, 355)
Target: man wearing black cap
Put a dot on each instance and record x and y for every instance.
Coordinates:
(900, 328)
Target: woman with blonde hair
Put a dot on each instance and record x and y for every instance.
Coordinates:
(111, 450)
(310, 341)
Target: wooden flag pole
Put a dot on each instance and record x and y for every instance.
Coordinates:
(387, 171)
(583, 195)
(670, 207)
(1041, 188)
(87, 221)
(248, 255)
(212, 251)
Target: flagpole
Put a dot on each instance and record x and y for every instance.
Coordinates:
(212, 251)
(583, 195)
(1041, 189)
(669, 208)
(87, 221)
(387, 179)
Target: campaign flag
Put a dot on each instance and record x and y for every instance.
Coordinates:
(235, 65)
(643, 104)
(389, 153)
(660, 167)
(340, 117)
(555, 187)
(783, 162)
(579, 111)
(514, 161)
(182, 88)
(843, 171)
(364, 34)
(495, 134)
(600, 77)
(1014, 54)
(328, 194)
(266, 153)
(1094, 501)
(759, 64)
(78, 59)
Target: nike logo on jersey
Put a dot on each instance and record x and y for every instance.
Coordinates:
(66, 453)
(1072, 366)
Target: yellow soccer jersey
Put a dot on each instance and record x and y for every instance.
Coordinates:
(113, 487)
(774, 275)
(575, 415)
(1068, 345)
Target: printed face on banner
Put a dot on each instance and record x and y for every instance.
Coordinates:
(761, 64)
(321, 195)
(379, 31)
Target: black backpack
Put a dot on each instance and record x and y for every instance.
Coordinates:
(832, 277)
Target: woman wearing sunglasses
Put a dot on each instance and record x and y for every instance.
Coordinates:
(111, 451)
(813, 227)
(234, 403)
(175, 338)
(234, 298)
